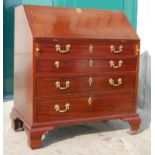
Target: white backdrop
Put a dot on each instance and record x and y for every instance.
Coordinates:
(145, 29)
(145, 24)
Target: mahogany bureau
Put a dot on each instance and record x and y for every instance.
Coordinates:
(73, 66)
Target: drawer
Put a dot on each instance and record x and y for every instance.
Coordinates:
(75, 65)
(76, 85)
(72, 108)
(65, 48)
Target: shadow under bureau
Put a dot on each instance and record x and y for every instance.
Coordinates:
(73, 66)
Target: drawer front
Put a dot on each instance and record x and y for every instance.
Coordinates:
(65, 48)
(85, 65)
(75, 85)
(72, 108)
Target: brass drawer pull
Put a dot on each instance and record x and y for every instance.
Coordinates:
(58, 85)
(111, 82)
(57, 64)
(91, 48)
(58, 48)
(90, 63)
(37, 51)
(112, 64)
(90, 100)
(112, 49)
(57, 108)
(90, 81)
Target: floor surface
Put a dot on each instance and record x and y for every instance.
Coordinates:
(110, 138)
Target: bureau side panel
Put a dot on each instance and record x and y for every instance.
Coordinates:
(137, 53)
(23, 66)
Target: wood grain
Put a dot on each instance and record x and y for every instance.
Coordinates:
(101, 48)
(55, 22)
(79, 107)
(75, 65)
(100, 84)
(37, 30)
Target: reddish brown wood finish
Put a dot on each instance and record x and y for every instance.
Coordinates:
(37, 31)
(101, 48)
(80, 108)
(46, 86)
(74, 65)
(89, 24)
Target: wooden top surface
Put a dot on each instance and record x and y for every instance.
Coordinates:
(56, 22)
